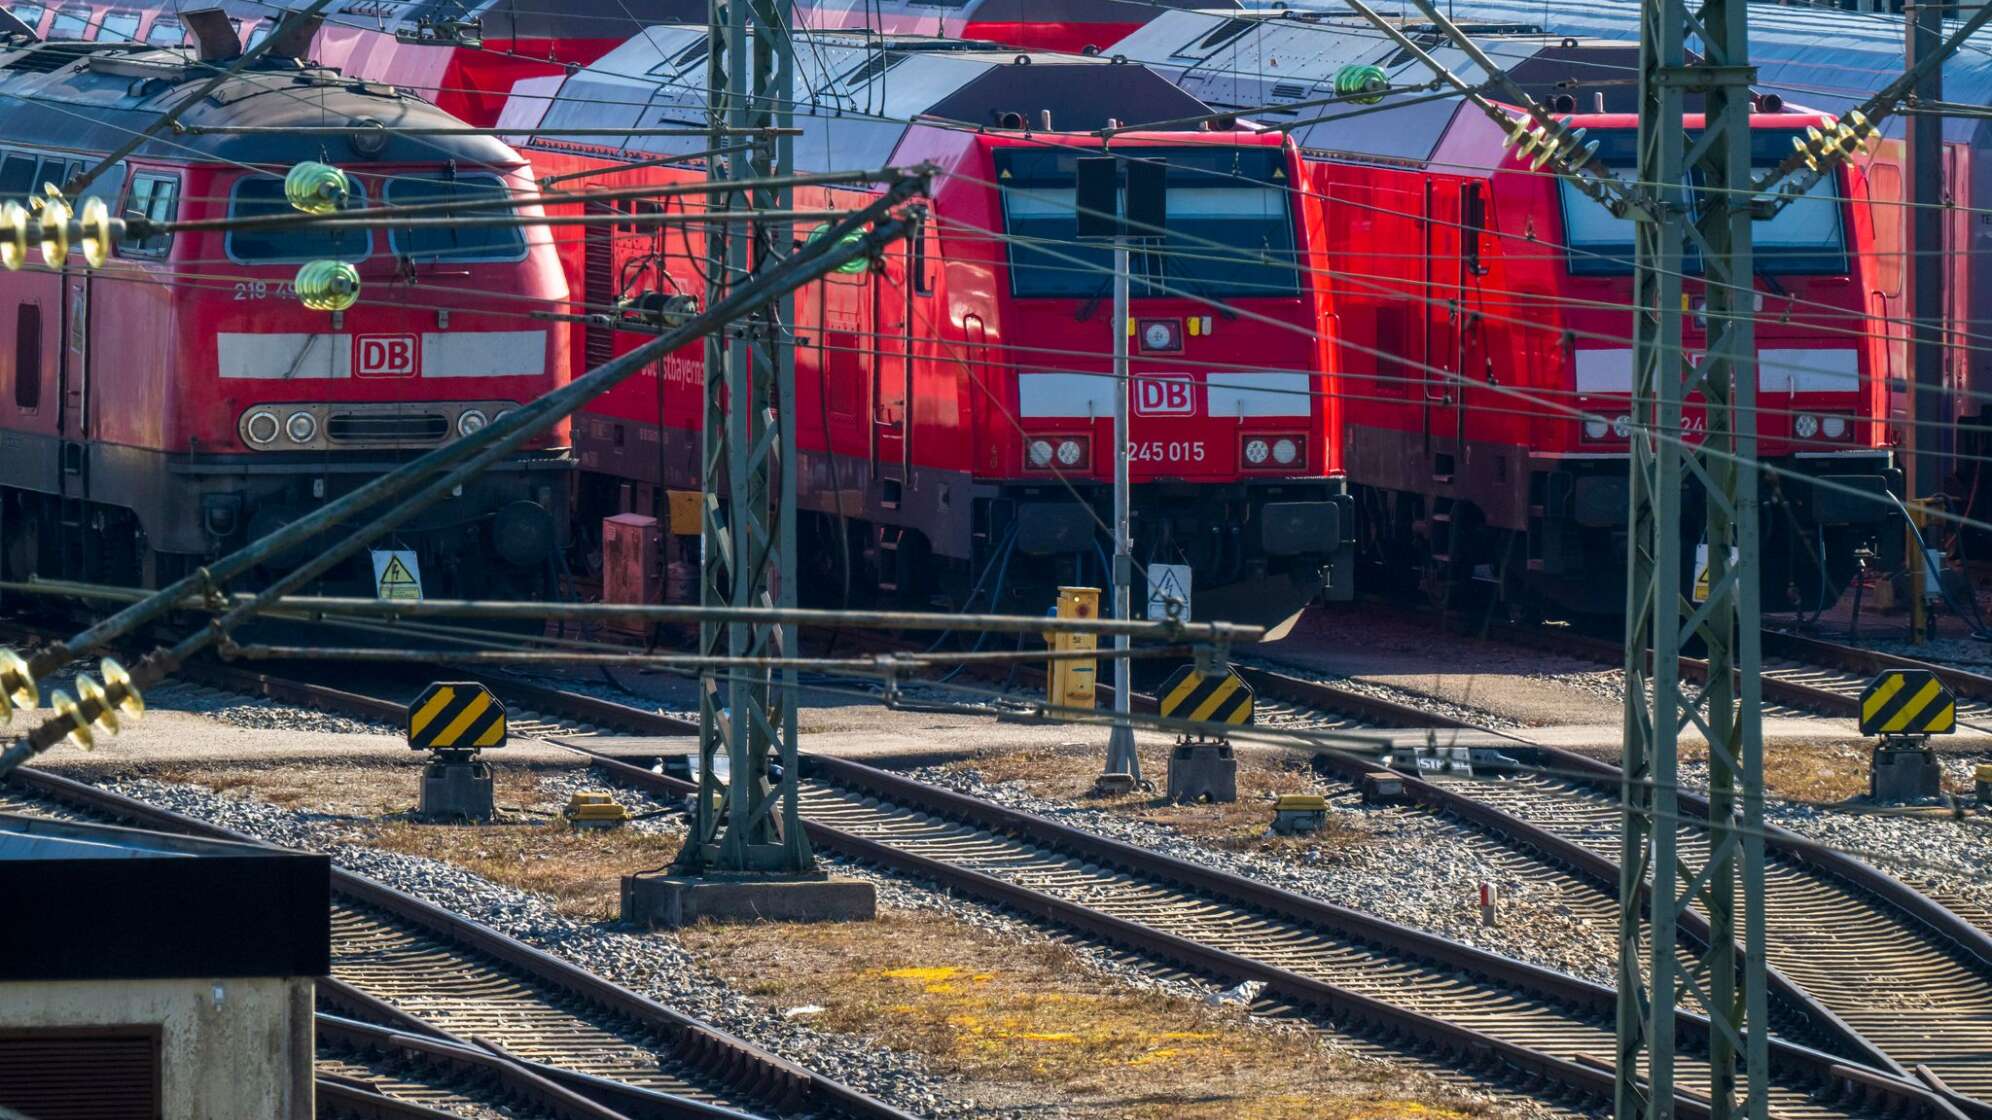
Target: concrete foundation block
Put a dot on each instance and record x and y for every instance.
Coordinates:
(1203, 772)
(1904, 774)
(673, 901)
(456, 791)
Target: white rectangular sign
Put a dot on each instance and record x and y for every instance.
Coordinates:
(1166, 582)
(397, 574)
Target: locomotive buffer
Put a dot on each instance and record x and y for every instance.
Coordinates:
(453, 720)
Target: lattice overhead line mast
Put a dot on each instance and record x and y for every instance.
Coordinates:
(1668, 476)
(748, 466)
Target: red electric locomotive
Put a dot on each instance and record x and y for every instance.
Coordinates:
(465, 55)
(181, 400)
(1485, 315)
(953, 407)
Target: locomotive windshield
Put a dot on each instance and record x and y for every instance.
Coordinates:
(449, 240)
(258, 196)
(1230, 228)
(1807, 237)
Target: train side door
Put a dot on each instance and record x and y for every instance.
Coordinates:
(1440, 296)
(892, 366)
(846, 359)
(73, 383)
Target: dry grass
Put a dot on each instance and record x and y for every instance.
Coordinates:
(1821, 772)
(579, 870)
(1067, 773)
(1028, 1025)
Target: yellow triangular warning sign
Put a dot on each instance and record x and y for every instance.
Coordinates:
(397, 582)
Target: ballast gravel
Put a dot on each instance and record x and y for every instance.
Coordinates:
(654, 965)
(1417, 870)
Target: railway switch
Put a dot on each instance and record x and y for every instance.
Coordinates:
(454, 720)
(1905, 707)
(595, 808)
(1295, 813)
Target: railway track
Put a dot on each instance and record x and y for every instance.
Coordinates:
(426, 972)
(1891, 966)
(1483, 1015)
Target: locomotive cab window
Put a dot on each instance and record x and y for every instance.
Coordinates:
(1230, 227)
(1807, 237)
(156, 197)
(30, 14)
(258, 196)
(119, 27)
(165, 32)
(448, 241)
(17, 176)
(70, 23)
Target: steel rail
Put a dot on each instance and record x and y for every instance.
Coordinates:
(1919, 915)
(735, 1066)
(1340, 1004)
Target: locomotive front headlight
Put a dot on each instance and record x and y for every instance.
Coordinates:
(1622, 426)
(1040, 452)
(1597, 427)
(1835, 427)
(1805, 426)
(1257, 451)
(1285, 451)
(302, 427)
(1070, 451)
(261, 428)
(471, 422)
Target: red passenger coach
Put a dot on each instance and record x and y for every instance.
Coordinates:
(180, 401)
(954, 399)
(1487, 331)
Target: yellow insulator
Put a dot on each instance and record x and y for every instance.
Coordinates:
(328, 285)
(13, 236)
(54, 232)
(1805, 153)
(66, 709)
(97, 238)
(317, 188)
(17, 683)
(122, 692)
(90, 692)
(1858, 120)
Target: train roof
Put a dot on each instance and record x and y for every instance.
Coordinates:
(1825, 58)
(1251, 61)
(96, 96)
(858, 95)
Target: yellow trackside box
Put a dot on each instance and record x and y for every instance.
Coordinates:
(592, 808)
(684, 508)
(1072, 683)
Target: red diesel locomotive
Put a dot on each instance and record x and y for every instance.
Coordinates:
(1486, 326)
(953, 406)
(180, 401)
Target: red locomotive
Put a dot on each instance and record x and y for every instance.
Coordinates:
(952, 406)
(181, 400)
(1485, 315)
(466, 56)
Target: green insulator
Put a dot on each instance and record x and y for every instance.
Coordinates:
(855, 265)
(317, 188)
(1370, 80)
(328, 285)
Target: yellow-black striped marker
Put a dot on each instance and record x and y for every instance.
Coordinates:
(1216, 698)
(456, 716)
(1907, 702)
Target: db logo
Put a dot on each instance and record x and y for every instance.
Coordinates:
(1165, 395)
(385, 355)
